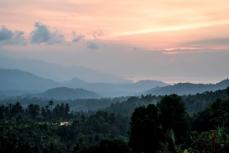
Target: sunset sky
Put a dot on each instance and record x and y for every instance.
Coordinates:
(191, 35)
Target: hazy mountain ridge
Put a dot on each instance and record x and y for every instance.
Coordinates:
(21, 80)
(111, 89)
(26, 83)
(56, 71)
(17, 82)
(188, 88)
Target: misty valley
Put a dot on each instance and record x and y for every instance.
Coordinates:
(39, 115)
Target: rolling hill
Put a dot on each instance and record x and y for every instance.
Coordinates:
(64, 93)
(11, 80)
(114, 90)
(18, 82)
(188, 88)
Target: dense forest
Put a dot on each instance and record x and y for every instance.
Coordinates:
(145, 124)
(123, 105)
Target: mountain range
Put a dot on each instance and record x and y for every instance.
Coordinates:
(24, 81)
(17, 81)
(188, 88)
(114, 90)
(57, 72)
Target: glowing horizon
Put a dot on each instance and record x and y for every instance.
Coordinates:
(174, 38)
(115, 19)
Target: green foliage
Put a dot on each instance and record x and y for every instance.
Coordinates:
(174, 118)
(211, 128)
(127, 107)
(34, 112)
(38, 129)
(215, 116)
(145, 131)
(26, 137)
(201, 101)
(185, 151)
(75, 105)
(163, 127)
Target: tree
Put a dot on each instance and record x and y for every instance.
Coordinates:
(33, 110)
(17, 108)
(51, 104)
(174, 118)
(66, 110)
(145, 131)
(217, 115)
(61, 110)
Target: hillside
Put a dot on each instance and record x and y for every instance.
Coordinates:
(114, 90)
(188, 88)
(21, 80)
(193, 103)
(64, 93)
(57, 71)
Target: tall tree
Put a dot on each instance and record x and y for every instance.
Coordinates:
(145, 131)
(174, 118)
(33, 110)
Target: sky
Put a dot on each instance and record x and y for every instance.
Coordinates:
(168, 40)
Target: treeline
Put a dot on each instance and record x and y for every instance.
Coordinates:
(200, 101)
(35, 111)
(125, 105)
(193, 103)
(149, 127)
(75, 105)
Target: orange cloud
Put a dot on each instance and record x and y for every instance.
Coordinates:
(146, 23)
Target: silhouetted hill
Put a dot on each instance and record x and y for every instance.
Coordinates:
(68, 93)
(112, 90)
(146, 84)
(20, 80)
(188, 88)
